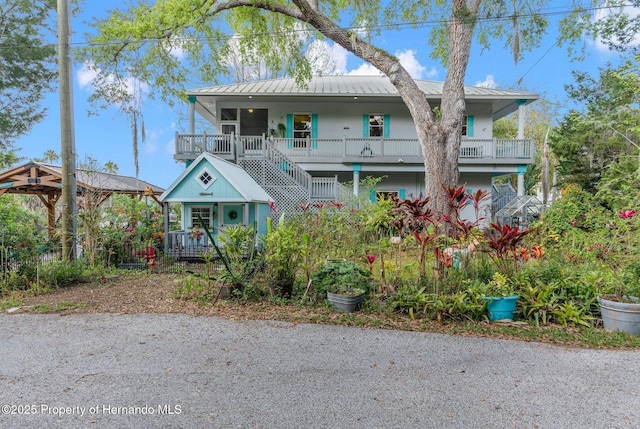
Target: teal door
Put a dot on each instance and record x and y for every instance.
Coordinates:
(232, 214)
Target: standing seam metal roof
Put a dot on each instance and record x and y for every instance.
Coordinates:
(346, 85)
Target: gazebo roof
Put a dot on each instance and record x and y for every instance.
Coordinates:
(46, 179)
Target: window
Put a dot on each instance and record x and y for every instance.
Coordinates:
(205, 214)
(376, 125)
(301, 129)
(386, 195)
(205, 178)
(229, 114)
(467, 126)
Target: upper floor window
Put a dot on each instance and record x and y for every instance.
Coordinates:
(467, 126)
(229, 114)
(301, 129)
(376, 125)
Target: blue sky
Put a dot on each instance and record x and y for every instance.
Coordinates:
(107, 137)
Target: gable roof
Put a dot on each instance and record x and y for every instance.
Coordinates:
(238, 178)
(349, 86)
(40, 178)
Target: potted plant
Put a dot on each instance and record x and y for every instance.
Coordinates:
(501, 298)
(344, 282)
(621, 310)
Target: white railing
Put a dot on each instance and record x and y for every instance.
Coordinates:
(296, 149)
(324, 188)
(198, 143)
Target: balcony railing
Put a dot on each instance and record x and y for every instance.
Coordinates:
(349, 149)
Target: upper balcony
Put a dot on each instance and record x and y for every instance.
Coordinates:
(351, 150)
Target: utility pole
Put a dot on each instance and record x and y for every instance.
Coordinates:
(67, 139)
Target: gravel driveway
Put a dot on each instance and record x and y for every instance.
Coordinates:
(177, 371)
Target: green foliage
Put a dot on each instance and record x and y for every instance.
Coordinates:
(37, 277)
(28, 65)
(283, 250)
(341, 277)
(461, 305)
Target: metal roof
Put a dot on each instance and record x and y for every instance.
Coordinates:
(234, 174)
(348, 85)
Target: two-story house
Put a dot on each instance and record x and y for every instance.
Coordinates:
(303, 143)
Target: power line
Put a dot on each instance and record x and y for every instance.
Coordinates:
(379, 27)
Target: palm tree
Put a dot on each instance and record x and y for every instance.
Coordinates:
(111, 167)
(50, 156)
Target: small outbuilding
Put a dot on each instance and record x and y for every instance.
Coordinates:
(218, 194)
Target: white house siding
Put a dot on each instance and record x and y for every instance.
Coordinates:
(344, 118)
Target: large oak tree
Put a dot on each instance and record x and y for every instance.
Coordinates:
(177, 42)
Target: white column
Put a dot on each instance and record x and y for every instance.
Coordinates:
(521, 118)
(356, 179)
(520, 184)
(192, 114)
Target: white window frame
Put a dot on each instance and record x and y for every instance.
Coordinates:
(203, 171)
(376, 124)
(193, 219)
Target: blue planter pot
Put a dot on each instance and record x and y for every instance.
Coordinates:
(501, 308)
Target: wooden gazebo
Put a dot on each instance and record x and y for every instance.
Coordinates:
(45, 181)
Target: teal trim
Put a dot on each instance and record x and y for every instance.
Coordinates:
(521, 102)
(314, 131)
(402, 193)
(470, 122)
(187, 163)
(290, 130)
(357, 167)
(372, 195)
(284, 166)
(365, 126)
(387, 126)
(522, 169)
(192, 99)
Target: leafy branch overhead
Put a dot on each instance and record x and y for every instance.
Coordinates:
(179, 43)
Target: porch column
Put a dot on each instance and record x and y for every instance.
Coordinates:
(192, 114)
(166, 226)
(521, 117)
(521, 170)
(356, 178)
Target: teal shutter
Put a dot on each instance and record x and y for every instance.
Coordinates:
(387, 126)
(470, 126)
(314, 131)
(402, 193)
(372, 195)
(290, 130)
(365, 126)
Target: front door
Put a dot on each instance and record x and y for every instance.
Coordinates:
(232, 214)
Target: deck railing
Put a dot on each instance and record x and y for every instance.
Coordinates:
(184, 244)
(384, 150)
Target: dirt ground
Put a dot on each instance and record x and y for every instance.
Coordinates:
(155, 293)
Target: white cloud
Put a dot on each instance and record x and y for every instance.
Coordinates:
(488, 82)
(603, 13)
(86, 75)
(365, 69)
(408, 60)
